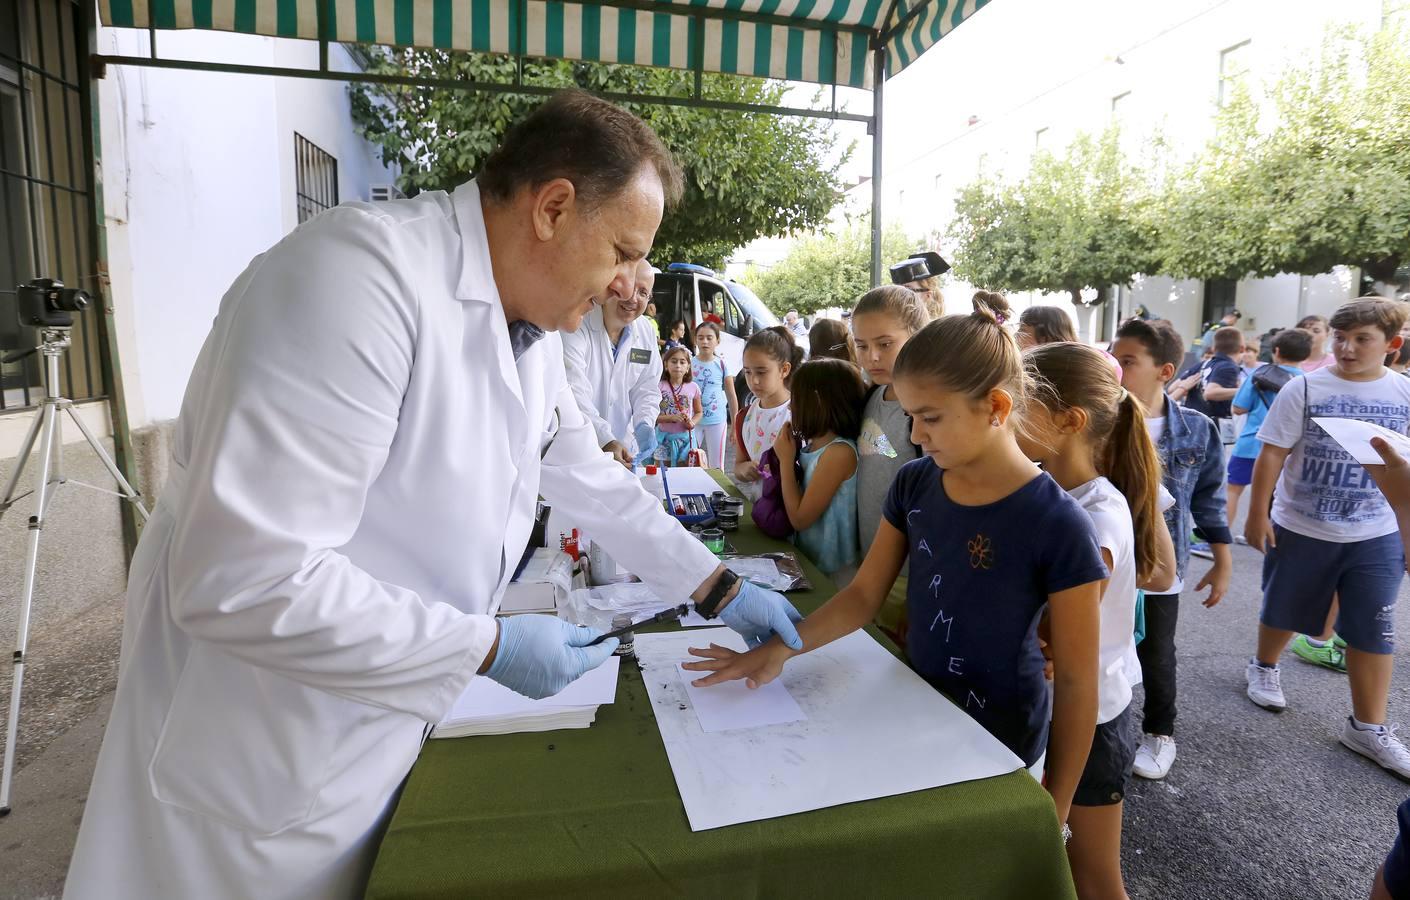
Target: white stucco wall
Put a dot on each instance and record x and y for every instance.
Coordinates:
(198, 179)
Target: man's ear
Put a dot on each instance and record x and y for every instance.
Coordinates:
(1396, 343)
(1166, 372)
(552, 204)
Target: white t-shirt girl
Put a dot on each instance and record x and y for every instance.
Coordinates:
(1117, 654)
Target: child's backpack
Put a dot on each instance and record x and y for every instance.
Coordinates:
(769, 513)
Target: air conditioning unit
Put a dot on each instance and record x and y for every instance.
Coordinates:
(384, 192)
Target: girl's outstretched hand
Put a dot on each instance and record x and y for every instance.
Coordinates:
(757, 667)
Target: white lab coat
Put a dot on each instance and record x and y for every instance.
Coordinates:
(614, 393)
(352, 481)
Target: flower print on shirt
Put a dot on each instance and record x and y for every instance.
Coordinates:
(873, 440)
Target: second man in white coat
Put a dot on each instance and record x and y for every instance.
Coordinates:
(614, 369)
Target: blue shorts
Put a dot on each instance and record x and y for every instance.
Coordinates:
(1241, 470)
(1301, 574)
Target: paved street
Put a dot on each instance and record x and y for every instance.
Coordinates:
(1260, 804)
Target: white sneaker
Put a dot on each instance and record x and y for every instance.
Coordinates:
(1265, 687)
(1154, 756)
(1380, 746)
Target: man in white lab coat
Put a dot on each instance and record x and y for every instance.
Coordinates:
(614, 369)
(379, 404)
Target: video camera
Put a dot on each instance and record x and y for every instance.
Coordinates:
(41, 303)
(919, 267)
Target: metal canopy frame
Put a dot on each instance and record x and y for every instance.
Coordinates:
(695, 101)
(915, 26)
(878, 40)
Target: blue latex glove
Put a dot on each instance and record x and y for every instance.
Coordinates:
(645, 443)
(759, 614)
(538, 656)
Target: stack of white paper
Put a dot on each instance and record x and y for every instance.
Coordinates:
(487, 707)
(634, 598)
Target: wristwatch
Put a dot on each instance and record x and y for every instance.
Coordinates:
(707, 607)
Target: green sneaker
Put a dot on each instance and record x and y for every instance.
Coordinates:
(1328, 656)
(1336, 639)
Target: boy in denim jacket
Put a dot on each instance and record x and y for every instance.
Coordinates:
(1192, 456)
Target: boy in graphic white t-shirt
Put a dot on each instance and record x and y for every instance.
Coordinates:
(1331, 530)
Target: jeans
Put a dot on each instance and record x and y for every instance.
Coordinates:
(1157, 655)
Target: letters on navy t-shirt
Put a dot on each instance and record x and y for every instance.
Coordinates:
(979, 579)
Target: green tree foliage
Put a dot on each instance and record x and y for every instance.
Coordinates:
(1075, 220)
(993, 236)
(747, 175)
(1307, 175)
(1312, 174)
(826, 270)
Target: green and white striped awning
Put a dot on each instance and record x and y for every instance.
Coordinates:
(821, 41)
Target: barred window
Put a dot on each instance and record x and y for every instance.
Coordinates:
(315, 178)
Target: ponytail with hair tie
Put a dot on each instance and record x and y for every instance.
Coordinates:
(972, 355)
(992, 304)
(1077, 376)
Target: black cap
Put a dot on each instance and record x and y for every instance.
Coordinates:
(921, 266)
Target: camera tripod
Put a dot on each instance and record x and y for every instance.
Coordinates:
(46, 429)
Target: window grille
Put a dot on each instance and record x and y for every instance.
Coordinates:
(315, 178)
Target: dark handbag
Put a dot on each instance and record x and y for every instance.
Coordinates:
(769, 513)
(1271, 378)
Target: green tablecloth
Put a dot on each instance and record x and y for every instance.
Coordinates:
(595, 813)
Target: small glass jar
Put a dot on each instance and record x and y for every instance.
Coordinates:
(626, 643)
(714, 540)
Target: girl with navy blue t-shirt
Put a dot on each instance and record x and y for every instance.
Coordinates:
(992, 542)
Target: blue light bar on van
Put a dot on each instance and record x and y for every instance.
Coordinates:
(691, 267)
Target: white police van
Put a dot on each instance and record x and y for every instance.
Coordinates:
(687, 292)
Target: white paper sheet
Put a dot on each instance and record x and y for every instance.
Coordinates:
(1355, 436)
(873, 728)
(486, 699)
(694, 619)
(734, 706)
(691, 480)
(632, 597)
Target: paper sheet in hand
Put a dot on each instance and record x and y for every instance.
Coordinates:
(873, 728)
(733, 705)
(487, 707)
(1355, 436)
